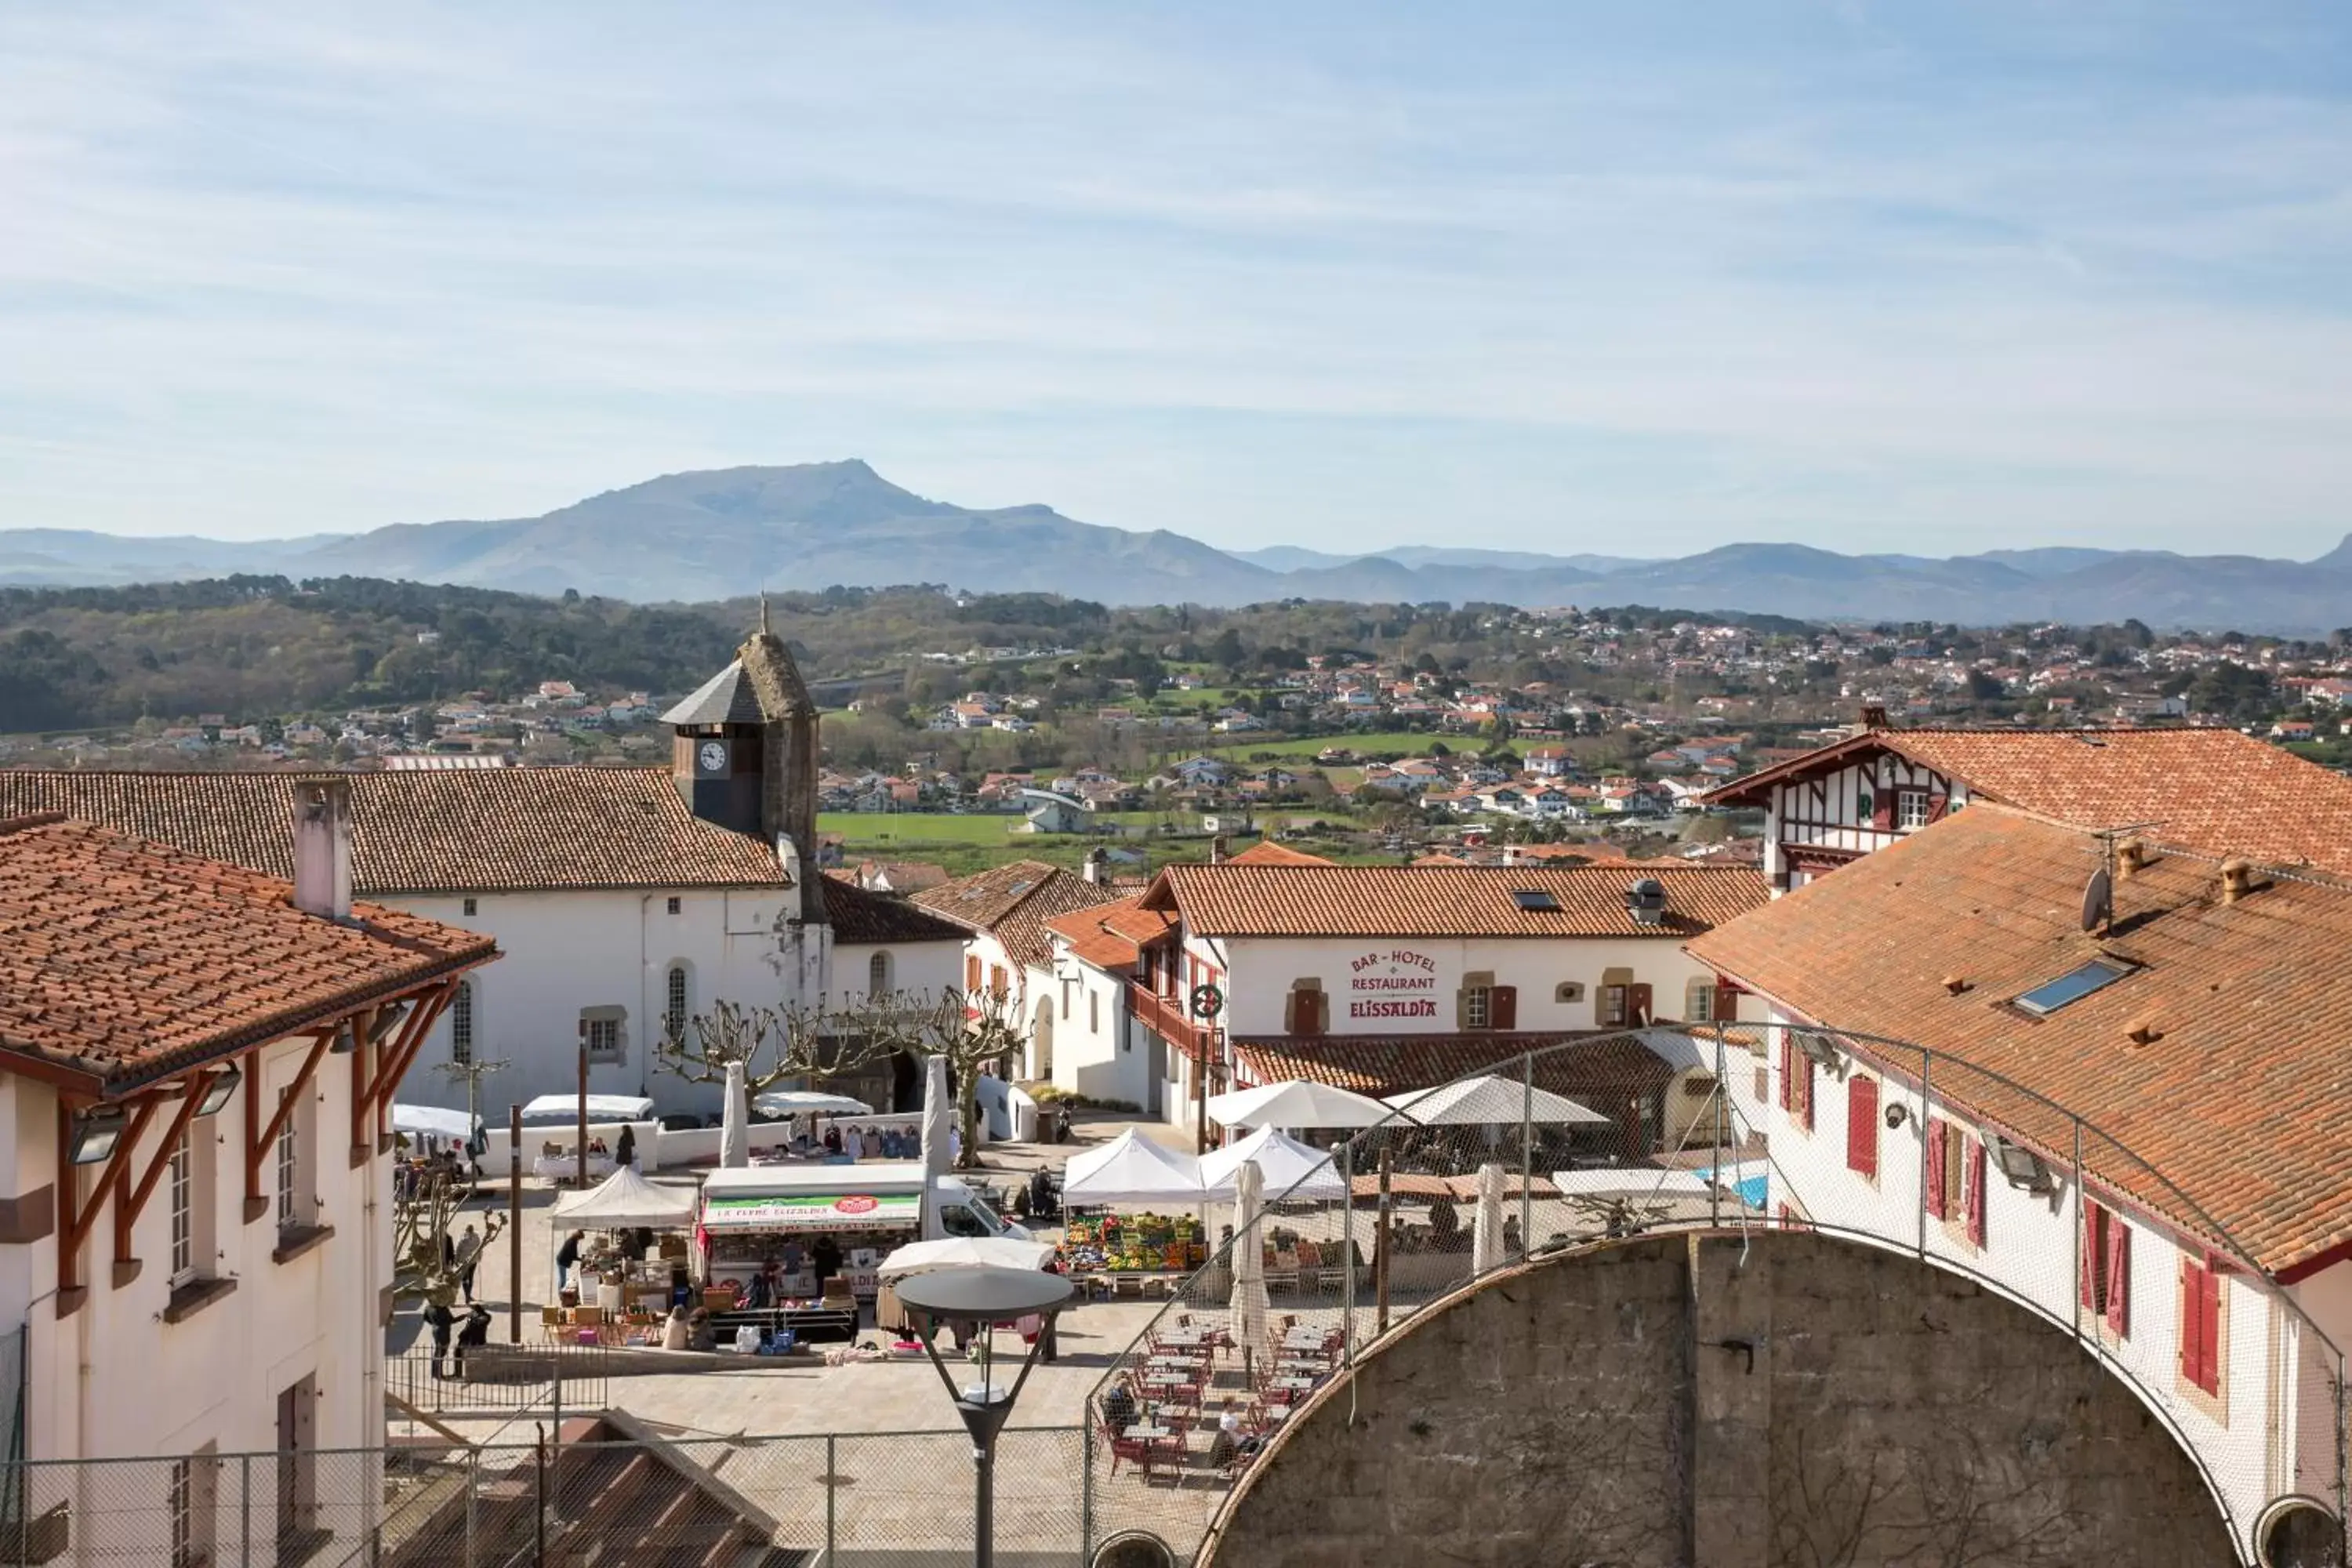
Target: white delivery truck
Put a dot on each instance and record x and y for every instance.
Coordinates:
(750, 1215)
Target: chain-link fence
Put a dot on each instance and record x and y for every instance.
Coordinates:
(1742, 1126)
(884, 1500)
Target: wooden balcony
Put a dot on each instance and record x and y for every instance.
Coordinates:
(1164, 1016)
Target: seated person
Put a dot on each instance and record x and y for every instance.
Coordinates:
(1119, 1408)
(761, 1294)
(700, 1335)
(674, 1332)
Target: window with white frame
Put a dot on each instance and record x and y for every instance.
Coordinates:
(1911, 809)
(1698, 1002)
(181, 1176)
(290, 1173)
(601, 1028)
(461, 1024)
(878, 975)
(1477, 1006)
(194, 1498)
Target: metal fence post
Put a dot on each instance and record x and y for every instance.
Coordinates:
(2074, 1293)
(1927, 1066)
(1087, 1484)
(473, 1500)
(1347, 1258)
(1527, 1152)
(832, 1495)
(245, 1508)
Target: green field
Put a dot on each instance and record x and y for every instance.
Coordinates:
(1400, 743)
(965, 844)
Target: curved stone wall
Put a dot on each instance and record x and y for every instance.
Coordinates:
(1782, 1401)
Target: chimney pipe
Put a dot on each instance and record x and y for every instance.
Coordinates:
(2237, 879)
(1095, 866)
(322, 848)
(1217, 850)
(2131, 855)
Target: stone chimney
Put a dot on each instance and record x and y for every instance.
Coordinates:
(2131, 855)
(2237, 879)
(1096, 868)
(1874, 715)
(1217, 850)
(322, 848)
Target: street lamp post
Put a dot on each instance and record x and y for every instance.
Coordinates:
(975, 1299)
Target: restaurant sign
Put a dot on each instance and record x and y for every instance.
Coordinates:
(1393, 983)
(813, 1211)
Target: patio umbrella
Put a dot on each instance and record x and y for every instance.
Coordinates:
(1489, 1101)
(1486, 1224)
(734, 1139)
(938, 1119)
(1297, 1103)
(1248, 1309)
(964, 1252)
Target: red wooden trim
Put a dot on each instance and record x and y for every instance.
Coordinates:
(405, 1046)
(2296, 1273)
(129, 1205)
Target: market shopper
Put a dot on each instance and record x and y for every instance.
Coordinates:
(567, 1258)
(826, 1255)
(440, 1319)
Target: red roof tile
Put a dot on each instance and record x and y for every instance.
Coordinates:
(489, 830)
(1266, 852)
(2214, 789)
(1013, 902)
(1392, 1064)
(2237, 1094)
(862, 917)
(1233, 899)
(123, 960)
(1111, 936)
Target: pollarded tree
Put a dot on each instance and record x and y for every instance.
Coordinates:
(428, 1264)
(756, 1048)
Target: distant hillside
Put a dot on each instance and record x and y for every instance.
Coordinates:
(708, 535)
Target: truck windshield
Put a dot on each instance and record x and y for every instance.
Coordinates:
(989, 1216)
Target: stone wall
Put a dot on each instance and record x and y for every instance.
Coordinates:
(1662, 1401)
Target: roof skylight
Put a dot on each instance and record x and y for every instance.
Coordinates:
(2073, 985)
(1535, 900)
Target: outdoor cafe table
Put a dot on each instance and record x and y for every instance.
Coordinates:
(1166, 1380)
(1302, 1367)
(1142, 1433)
(1186, 1339)
(1296, 1385)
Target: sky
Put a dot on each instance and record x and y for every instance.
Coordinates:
(1639, 279)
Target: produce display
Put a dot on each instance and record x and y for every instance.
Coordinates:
(1133, 1243)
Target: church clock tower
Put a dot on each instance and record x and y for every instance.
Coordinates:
(745, 755)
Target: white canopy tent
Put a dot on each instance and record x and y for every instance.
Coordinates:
(1297, 1103)
(624, 1201)
(1489, 1101)
(808, 1101)
(601, 1107)
(964, 1252)
(432, 1121)
(1293, 1170)
(1132, 1169)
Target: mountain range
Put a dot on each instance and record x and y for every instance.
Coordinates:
(715, 534)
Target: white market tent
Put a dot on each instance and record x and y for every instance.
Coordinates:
(964, 1252)
(624, 1201)
(1132, 1169)
(1489, 1101)
(601, 1107)
(431, 1121)
(1297, 1103)
(1294, 1172)
(804, 1101)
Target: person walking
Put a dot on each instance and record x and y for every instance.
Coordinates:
(476, 1333)
(469, 1258)
(1049, 1345)
(624, 1153)
(826, 1255)
(440, 1319)
(567, 1258)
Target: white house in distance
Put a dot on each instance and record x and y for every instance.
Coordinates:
(196, 1066)
(2212, 789)
(1386, 978)
(1002, 913)
(2195, 1023)
(1102, 1049)
(623, 899)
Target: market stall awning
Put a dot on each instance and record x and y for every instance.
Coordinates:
(1293, 1172)
(845, 1210)
(624, 1200)
(1132, 1169)
(601, 1107)
(431, 1121)
(804, 1101)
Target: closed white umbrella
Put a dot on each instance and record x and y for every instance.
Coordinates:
(1489, 1101)
(939, 1119)
(964, 1252)
(1297, 1103)
(1248, 1309)
(734, 1136)
(1487, 1224)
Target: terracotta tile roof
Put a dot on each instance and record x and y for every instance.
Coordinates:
(123, 960)
(2239, 1095)
(1266, 852)
(1111, 936)
(1391, 1064)
(2214, 789)
(1446, 900)
(863, 917)
(497, 829)
(1012, 902)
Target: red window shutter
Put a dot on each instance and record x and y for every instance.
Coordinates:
(1322, 1012)
(1293, 1005)
(972, 973)
(1862, 1124)
(1939, 1202)
(1976, 1184)
(1727, 1004)
(1787, 1074)
(2208, 1306)
(2118, 1275)
(1503, 1007)
(1637, 1005)
(1882, 810)
(1936, 805)
(2094, 1234)
(1807, 1081)
(2195, 1351)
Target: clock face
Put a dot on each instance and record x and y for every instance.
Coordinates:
(713, 757)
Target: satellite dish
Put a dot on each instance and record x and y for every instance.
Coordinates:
(2098, 899)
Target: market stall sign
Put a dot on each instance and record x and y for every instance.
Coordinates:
(814, 1211)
